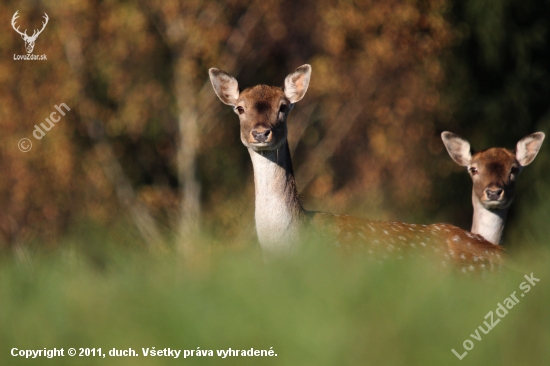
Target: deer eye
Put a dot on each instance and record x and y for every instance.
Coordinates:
(283, 108)
(514, 170)
(240, 109)
(473, 170)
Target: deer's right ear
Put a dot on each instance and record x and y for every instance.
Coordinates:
(225, 86)
(528, 147)
(296, 83)
(458, 148)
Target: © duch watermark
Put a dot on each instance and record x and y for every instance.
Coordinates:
(29, 40)
(25, 144)
(501, 312)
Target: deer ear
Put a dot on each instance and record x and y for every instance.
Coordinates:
(458, 148)
(225, 86)
(296, 83)
(528, 147)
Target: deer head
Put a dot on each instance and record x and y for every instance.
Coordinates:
(493, 171)
(262, 109)
(29, 40)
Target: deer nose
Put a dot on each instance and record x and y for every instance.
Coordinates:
(261, 136)
(494, 195)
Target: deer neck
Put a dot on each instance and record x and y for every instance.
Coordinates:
(278, 209)
(488, 223)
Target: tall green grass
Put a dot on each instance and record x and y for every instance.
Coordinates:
(315, 307)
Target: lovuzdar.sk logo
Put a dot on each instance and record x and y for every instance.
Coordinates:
(29, 40)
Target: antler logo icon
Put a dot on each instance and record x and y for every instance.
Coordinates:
(29, 41)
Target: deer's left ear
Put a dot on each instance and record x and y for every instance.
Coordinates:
(458, 148)
(296, 83)
(528, 147)
(225, 86)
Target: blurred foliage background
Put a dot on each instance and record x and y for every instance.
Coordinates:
(147, 140)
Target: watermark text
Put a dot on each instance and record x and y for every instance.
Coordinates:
(491, 320)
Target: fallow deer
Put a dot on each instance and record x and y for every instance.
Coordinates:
(280, 218)
(494, 172)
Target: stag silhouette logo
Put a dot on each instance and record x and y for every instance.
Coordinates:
(29, 40)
